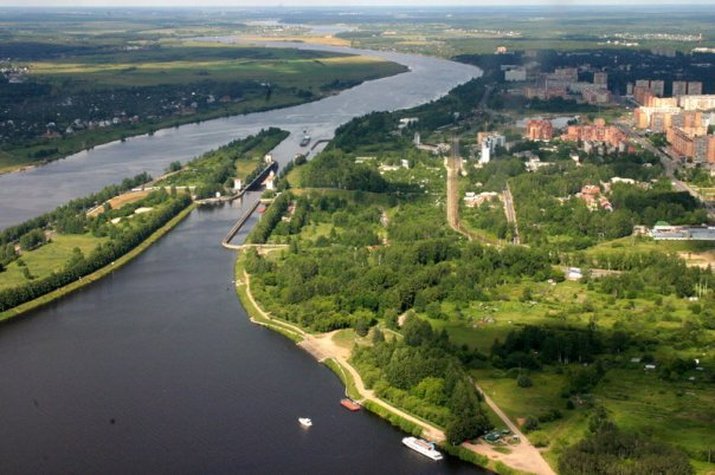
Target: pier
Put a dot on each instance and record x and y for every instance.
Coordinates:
(249, 207)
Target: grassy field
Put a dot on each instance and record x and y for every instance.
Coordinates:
(680, 412)
(200, 64)
(51, 257)
(118, 264)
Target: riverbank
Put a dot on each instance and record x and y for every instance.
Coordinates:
(325, 351)
(104, 271)
(15, 159)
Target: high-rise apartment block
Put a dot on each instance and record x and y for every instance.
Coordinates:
(539, 130)
(657, 88)
(699, 102)
(692, 143)
(695, 88)
(598, 132)
(600, 80)
(685, 88)
(680, 88)
(644, 87)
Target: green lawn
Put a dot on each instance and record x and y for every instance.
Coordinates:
(246, 165)
(294, 177)
(52, 256)
(681, 413)
(201, 64)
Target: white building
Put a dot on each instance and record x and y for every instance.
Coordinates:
(488, 147)
(514, 75)
(270, 181)
(407, 121)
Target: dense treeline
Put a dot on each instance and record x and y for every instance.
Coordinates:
(532, 346)
(103, 255)
(375, 132)
(369, 132)
(421, 375)
(335, 169)
(270, 219)
(449, 109)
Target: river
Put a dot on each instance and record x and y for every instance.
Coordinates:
(156, 368)
(27, 194)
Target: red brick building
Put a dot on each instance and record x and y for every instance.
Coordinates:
(598, 132)
(539, 130)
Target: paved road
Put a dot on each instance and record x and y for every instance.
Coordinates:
(510, 211)
(452, 166)
(670, 165)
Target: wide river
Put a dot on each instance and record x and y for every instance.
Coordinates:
(156, 368)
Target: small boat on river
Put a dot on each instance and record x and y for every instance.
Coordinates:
(349, 404)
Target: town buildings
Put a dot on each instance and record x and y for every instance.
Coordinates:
(685, 88)
(693, 143)
(699, 102)
(600, 80)
(596, 95)
(515, 74)
(591, 195)
(488, 142)
(608, 135)
(538, 129)
(680, 117)
(655, 87)
(475, 200)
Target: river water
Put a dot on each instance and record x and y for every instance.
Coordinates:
(156, 368)
(30, 193)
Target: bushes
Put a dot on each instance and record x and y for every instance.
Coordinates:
(524, 381)
(531, 424)
(424, 378)
(32, 239)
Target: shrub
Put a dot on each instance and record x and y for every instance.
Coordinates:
(531, 424)
(523, 381)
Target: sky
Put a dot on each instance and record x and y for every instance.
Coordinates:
(330, 3)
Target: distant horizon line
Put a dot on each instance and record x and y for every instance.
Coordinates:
(596, 4)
